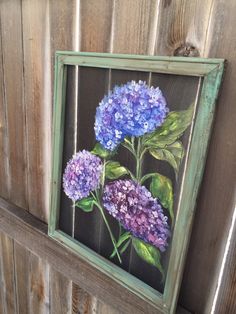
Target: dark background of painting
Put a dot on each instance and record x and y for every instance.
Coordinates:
(93, 84)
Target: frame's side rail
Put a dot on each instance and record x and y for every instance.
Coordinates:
(192, 179)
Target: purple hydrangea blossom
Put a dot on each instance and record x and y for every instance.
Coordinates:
(137, 211)
(82, 175)
(132, 109)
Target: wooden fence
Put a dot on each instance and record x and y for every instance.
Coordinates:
(30, 32)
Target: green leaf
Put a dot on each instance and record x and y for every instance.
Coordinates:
(172, 153)
(172, 129)
(125, 246)
(125, 236)
(148, 253)
(86, 204)
(161, 187)
(100, 151)
(114, 170)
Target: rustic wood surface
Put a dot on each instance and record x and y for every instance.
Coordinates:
(22, 268)
(31, 31)
(9, 296)
(31, 233)
(4, 167)
(12, 56)
(37, 94)
(227, 290)
(60, 294)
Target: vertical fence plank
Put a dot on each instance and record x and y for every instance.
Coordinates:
(182, 27)
(95, 25)
(37, 90)
(22, 277)
(11, 32)
(4, 188)
(60, 297)
(134, 26)
(38, 103)
(38, 285)
(216, 199)
(82, 302)
(1, 283)
(63, 21)
(226, 298)
(7, 274)
(103, 308)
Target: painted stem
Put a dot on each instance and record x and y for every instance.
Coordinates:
(97, 203)
(139, 161)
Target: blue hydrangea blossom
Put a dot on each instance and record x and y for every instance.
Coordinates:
(132, 109)
(137, 211)
(82, 175)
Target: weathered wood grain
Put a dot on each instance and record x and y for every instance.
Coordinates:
(60, 293)
(1, 286)
(22, 269)
(37, 90)
(226, 298)
(8, 292)
(32, 234)
(134, 26)
(31, 281)
(103, 308)
(82, 302)
(216, 199)
(62, 19)
(4, 171)
(182, 27)
(95, 25)
(38, 285)
(11, 37)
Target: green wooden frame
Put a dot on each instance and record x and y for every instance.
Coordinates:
(210, 70)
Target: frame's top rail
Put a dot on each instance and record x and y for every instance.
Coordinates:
(166, 65)
(142, 57)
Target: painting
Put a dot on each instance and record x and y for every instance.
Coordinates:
(130, 139)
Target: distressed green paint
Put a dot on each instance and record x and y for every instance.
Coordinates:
(140, 57)
(58, 136)
(153, 64)
(211, 71)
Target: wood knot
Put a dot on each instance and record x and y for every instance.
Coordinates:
(186, 50)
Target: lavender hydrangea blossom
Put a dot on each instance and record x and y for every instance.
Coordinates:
(132, 109)
(82, 175)
(138, 212)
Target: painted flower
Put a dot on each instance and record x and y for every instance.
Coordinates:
(82, 175)
(137, 211)
(132, 109)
